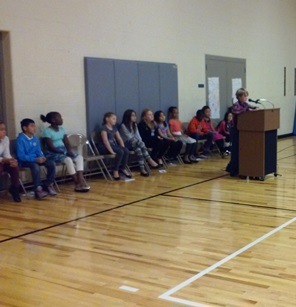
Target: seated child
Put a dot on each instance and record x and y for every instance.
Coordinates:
(9, 164)
(112, 143)
(164, 132)
(148, 131)
(224, 128)
(176, 129)
(198, 130)
(133, 141)
(29, 154)
(217, 137)
(58, 149)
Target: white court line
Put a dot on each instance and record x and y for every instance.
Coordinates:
(167, 295)
(130, 289)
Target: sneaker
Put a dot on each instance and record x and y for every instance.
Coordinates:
(40, 193)
(194, 158)
(85, 186)
(202, 157)
(50, 190)
(187, 160)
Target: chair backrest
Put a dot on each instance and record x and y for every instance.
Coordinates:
(94, 138)
(77, 142)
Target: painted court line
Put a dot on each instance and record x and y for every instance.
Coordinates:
(127, 288)
(167, 295)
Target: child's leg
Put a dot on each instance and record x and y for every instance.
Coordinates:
(50, 166)
(14, 174)
(134, 144)
(175, 148)
(163, 147)
(220, 144)
(80, 167)
(35, 172)
(209, 141)
(125, 157)
(71, 169)
(117, 160)
(145, 154)
(14, 177)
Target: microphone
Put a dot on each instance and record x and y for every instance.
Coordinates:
(255, 101)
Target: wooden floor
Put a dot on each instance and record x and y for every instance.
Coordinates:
(191, 237)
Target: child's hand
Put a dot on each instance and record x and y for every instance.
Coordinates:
(59, 150)
(13, 162)
(70, 154)
(40, 160)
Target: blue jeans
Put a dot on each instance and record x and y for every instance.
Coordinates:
(35, 172)
(121, 158)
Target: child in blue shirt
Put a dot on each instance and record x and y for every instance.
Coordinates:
(29, 154)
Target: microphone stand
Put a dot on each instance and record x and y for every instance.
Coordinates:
(267, 101)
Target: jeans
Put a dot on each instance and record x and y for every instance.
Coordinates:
(35, 172)
(121, 158)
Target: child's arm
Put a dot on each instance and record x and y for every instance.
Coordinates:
(119, 139)
(162, 135)
(106, 142)
(171, 137)
(22, 155)
(49, 144)
(68, 146)
(124, 131)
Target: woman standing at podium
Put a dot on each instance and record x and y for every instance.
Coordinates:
(238, 107)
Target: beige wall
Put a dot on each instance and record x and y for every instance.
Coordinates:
(50, 38)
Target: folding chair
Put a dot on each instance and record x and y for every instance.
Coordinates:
(107, 157)
(80, 143)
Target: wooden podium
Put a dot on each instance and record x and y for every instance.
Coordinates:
(258, 142)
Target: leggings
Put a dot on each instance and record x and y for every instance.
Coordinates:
(140, 149)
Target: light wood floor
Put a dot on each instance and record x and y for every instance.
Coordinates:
(154, 234)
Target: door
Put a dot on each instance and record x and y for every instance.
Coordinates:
(223, 77)
(2, 115)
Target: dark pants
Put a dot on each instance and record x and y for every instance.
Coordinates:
(233, 164)
(35, 172)
(174, 149)
(121, 158)
(191, 149)
(13, 172)
(208, 137)
(159, 147)
(220, 144)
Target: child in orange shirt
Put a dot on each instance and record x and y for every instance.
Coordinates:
(198, 130)
(176, 129)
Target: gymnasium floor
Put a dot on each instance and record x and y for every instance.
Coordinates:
(191, 237)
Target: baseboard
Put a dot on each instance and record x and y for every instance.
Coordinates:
(285, 135)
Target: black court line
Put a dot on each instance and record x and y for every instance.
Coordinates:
(228, 202)
(107, 210)
(113, 208)
(286, 157)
